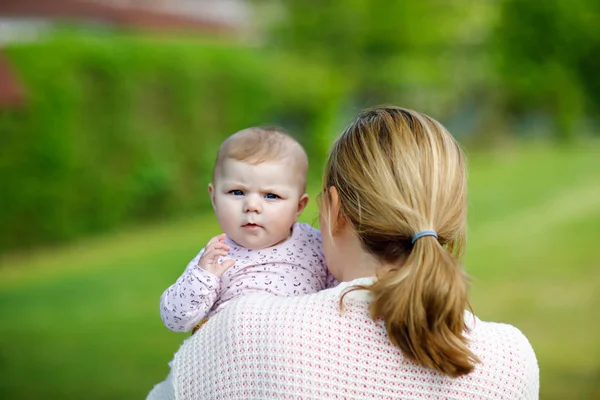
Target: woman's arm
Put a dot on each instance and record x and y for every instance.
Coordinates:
(163, 391)
(531, 371)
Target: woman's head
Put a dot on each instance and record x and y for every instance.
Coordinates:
(397, 172)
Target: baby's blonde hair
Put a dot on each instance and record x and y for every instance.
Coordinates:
(260, 144)
(399, 172)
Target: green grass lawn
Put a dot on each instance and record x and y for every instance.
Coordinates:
(82, 321)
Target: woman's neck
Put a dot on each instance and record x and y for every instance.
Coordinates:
(355, 262)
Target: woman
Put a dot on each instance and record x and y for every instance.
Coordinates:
(393, 218)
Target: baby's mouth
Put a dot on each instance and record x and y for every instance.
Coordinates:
(251, 225)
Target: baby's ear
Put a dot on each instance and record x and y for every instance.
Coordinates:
(211, 193)
(302, 204)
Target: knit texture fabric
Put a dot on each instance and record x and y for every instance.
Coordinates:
(262, 346)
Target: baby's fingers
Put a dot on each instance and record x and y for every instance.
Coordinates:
(217, 239)
(213, 254)
(217, 246)
(226, 264)
(223, 266)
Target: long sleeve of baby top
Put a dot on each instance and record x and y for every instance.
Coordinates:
(303, 347)
(190, 298)
(293, 267)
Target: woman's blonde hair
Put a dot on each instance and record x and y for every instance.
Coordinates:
(399, 172)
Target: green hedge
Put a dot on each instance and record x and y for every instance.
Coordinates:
(119, 129)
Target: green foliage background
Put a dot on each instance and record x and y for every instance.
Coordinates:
(120, 130)
(103, 173)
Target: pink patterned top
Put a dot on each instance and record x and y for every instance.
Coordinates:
(267, 347)
(293, 267)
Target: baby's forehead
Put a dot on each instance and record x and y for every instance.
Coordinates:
(265, 170)
(279, 173)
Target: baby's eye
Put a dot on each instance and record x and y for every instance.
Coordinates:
(236, 192)
(271, 196)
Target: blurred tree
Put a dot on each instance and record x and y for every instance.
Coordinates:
(436, 56)
(126, 128)
(548, 56)
(387, 51)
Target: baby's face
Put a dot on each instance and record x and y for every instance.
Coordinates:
(256, 205)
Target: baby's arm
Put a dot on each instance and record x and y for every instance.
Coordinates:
(185, 303)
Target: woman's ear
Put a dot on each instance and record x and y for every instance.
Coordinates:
(338, 220)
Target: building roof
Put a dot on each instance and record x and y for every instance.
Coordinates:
(12, 92)
(133, 16)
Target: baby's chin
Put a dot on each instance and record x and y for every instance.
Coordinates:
(257, 244)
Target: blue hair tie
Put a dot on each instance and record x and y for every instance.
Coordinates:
(421, 234)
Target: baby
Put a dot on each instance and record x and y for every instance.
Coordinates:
(258, 193)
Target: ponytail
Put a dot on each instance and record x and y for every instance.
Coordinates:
(422, 304)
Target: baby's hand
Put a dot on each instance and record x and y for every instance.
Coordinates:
(209, 261)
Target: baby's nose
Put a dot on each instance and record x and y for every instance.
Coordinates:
(251, 204)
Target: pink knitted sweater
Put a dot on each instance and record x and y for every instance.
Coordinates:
(262, 346)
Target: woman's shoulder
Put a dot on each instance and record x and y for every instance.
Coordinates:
(497, 334)
(322, 304)
(504, 350)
